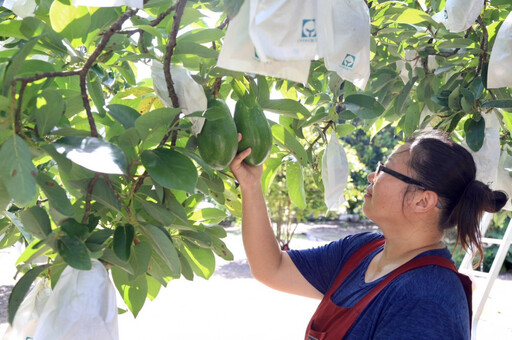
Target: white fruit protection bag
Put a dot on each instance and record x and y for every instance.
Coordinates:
(22, 8)
(499, 73)
(335, 171)
(284, 29)
(504, 174)
(27, 317)
(81, 307)
(239, 54)
(459, 15)
(190, 94)
(343, 28)
(109, 3)
(488, 157)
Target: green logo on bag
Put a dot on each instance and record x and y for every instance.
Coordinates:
(348, 62)
(308, 28)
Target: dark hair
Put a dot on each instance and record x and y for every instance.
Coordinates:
(448, 169)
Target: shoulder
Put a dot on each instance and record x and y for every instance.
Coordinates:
(340, 249)
(423, 297)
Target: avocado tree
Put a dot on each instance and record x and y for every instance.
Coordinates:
(96, 165)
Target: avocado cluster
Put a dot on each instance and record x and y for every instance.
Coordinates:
(218, 141)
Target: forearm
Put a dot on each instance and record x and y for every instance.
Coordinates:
(263, 251)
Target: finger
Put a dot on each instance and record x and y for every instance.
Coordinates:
(239, 158)
(239, 136)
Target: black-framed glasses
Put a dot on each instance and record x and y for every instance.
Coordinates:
(403, 178)
(398, 175)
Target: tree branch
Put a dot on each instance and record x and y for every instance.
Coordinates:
(483, 45)
(162, 16)
(180, 7)
(88, 198)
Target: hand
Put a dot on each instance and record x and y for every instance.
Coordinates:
(245, 174)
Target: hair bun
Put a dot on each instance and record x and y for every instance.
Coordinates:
(500, 198)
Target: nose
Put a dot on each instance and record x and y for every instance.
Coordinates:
(371, 177)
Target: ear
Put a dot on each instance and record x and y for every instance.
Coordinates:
(425, 201)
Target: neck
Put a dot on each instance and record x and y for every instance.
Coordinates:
(402, 246)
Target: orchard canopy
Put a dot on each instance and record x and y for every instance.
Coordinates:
(95, 164)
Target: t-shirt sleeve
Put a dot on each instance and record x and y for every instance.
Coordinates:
(321, 265)
(421, 319)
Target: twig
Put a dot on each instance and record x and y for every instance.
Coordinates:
(162, 16)
(324, 130)
(88, 198)
(180, 7)
(483, 45)
(87, 106)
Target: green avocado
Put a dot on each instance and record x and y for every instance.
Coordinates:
(255, 129)
(217, 143)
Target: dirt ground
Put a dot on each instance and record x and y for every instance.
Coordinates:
(232, 305)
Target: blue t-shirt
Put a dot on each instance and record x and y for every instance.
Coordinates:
(424, 303)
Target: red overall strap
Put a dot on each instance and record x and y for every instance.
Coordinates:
(353, 262)
(331, 322)
(413, 264)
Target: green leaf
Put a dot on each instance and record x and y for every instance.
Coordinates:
(343, 130)
(96, 92)
(133, 291)
(163, 246)
(153, 287)
(201, 260)
(411, 16)
(158, 212)
(49, 115)
(56, 195)
(211, 215)
(11, 28)
(189, 47)
(74, 229)
(503, 104)
(16, 63)
(401, 100)
(202, 36)
(74, 252)
(34, 250)
(287, 107)
(456, 43)
(412, 119)
(104, 195)
(220, 248)
(288, 141)
(110, 257)
(147, 123)
(72, 22)
(20, 290)
(295, 184)
(36, 221)
(507, 118)
(14, 219)
(123, 239)
(93, 153)
(363, 106)
(5, 197)
(17, 170)
(197, 238)
(269, 172)
(123, 114)
(475, 133)
(141, 255)
(170, 169)
(149, 29)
